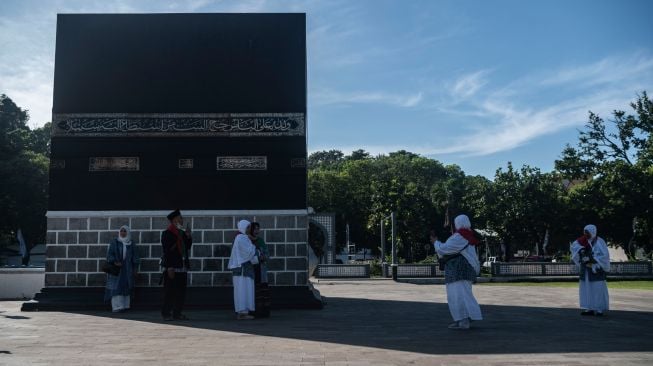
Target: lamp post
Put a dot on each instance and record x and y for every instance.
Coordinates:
(383, 243)
(393, 218)
(393, 222)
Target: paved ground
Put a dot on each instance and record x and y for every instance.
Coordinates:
(363, 323)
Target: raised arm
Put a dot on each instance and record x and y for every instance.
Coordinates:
(453, 245)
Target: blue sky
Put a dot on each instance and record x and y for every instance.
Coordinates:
(473, 83)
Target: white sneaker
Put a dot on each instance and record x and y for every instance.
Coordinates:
(454, 325)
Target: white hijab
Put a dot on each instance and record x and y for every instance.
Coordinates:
(127, 240)
(462, 222)
(591, 229)
(243, 225)
(243, 250)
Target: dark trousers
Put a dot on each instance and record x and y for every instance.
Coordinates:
(261, 295)
(174, 294)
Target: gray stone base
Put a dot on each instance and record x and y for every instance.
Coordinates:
(77, 244)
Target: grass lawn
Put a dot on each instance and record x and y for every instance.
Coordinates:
(631, 285)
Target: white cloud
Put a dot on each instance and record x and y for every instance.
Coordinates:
(469, 84)
(328, 97)
(505, 117)
(27, 63)
(502, 118)
(248, 6)
(605, 71)
(30, 87)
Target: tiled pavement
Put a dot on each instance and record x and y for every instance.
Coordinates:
(363, 323)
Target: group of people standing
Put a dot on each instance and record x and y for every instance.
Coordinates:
(461, 266)
(249, 255)
(248, 263)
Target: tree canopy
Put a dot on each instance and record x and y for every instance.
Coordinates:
(23, 175)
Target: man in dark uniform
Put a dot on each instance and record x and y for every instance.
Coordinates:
(176, 242)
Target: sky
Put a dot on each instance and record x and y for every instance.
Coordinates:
(473, 83)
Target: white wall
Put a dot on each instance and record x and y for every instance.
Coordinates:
(20, 283)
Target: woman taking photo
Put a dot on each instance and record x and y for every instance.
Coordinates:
(460, 271)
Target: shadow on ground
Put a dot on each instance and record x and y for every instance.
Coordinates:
(421, 327)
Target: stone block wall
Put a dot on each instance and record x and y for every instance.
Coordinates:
(77, 248)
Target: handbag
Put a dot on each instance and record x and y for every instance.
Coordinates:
(110, 268)
(442, 261)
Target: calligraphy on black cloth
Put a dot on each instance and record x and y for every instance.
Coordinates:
(186, 124)
(242, 162)
(113, 163)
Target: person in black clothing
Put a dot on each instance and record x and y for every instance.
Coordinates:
(176, 242)
(261, 289)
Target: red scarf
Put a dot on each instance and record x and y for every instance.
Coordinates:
(469, 235)
(584, 241)
(173, 229)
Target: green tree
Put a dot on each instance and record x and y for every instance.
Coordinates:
(359, 154)
(613, 165)
(23, 175)
(525, 204)
(411, 186)
(325, 159)
(362, 190)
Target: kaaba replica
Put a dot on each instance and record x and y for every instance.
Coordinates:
(201, 112)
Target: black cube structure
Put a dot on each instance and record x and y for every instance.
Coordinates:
(202, 112)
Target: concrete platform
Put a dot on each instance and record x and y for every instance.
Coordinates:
(362, 323)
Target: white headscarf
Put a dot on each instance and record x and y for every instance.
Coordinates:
(462, 222)
(242, 226)
(591, 229)
(127, 240)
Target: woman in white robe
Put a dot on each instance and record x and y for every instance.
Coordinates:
(243, 257)
(591, 256)
(460, 272)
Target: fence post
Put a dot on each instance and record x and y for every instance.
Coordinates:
(393, 217)
(382, 242)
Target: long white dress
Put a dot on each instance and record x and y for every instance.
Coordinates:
(593, 295)
(460, 298)
(243, 251)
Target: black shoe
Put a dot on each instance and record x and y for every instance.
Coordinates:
(587, 312)
(598, 313)
(168, 318)
(181, 317)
